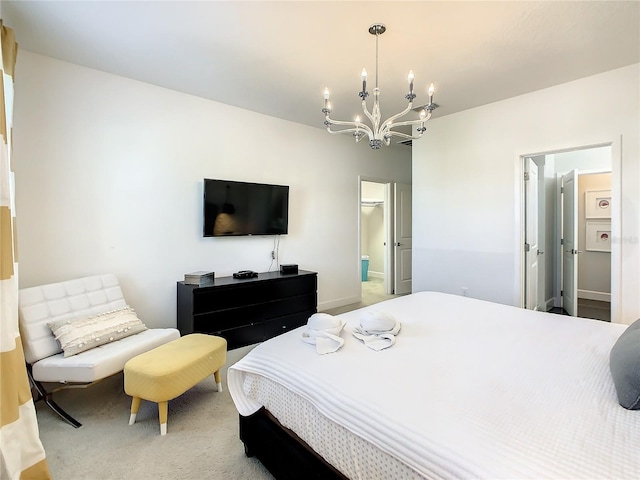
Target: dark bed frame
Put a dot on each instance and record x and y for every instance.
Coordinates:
(281, 451)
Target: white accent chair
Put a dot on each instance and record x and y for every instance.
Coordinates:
(78, 298)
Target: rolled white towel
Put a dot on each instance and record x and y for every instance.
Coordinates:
(377, 330)
(323, 331)
(373, 322)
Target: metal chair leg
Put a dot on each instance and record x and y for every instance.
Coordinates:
(46, 397)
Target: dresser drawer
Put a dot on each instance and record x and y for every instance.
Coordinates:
(240, 295)
(246, 315)
(281, 325)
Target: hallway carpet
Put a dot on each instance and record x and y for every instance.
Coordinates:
(372, 293)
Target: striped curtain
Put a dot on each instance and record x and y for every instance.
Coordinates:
(21, 453)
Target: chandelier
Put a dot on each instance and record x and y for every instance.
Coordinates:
(379, 132)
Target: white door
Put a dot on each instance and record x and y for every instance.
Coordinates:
(402, 241)
(570, 243)
(531, 246)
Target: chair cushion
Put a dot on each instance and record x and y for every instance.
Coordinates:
(102, 361)
(82, 334)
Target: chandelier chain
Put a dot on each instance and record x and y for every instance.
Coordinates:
(377, 37)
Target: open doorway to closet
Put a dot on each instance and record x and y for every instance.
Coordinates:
(385, 239)
(374, 240)
(567, 210)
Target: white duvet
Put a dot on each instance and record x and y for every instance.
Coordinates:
(470, 389)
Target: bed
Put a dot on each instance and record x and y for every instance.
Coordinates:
(470, 389)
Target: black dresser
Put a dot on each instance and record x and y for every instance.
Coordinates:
(247, 311)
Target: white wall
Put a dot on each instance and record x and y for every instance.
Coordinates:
(585, 159)
(109, 179)
(466, 184)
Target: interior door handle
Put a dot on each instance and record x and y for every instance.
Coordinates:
(540, 253)
(397, 244)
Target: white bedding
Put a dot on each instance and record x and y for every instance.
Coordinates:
(471, 389)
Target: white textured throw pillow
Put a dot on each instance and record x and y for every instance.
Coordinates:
(81, 334)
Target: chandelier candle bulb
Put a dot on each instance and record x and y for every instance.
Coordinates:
(364, 80)
(410, 78)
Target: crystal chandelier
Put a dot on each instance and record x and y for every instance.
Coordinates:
(378, 132)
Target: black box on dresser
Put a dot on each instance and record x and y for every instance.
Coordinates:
(247, 311)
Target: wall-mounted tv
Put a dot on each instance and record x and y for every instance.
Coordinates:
(241, 208)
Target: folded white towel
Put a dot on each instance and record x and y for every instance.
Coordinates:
(377, 330)
(323, 331)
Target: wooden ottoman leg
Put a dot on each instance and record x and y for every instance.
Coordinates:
(216, 376)
(163, 408)
(135, 406)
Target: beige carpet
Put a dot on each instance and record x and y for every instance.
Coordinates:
(202, 440)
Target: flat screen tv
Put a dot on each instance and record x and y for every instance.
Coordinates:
(241, 208)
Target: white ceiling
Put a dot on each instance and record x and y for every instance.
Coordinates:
(277, 57)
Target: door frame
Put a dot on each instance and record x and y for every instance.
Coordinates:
(388, 231)
(616, 215)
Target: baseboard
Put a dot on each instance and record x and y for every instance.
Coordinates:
(341, 302)
(591, 295)
(376, 274)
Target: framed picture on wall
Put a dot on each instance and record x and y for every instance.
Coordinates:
(597, 203)
(598, 236)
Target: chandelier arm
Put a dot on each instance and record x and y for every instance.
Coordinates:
(369, 115)
(410, 122)
(389, 121)
(357, 133)
(356, 126)
(404, 135)
(347, 130)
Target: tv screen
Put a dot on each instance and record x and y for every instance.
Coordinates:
(241, 208)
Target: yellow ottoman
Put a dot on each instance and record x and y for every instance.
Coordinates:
(169, 370)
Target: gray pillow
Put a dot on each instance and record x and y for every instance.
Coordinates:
(624, 363)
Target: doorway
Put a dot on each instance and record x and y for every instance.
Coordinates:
(374, 240)
(568, 271)
(385, 238)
